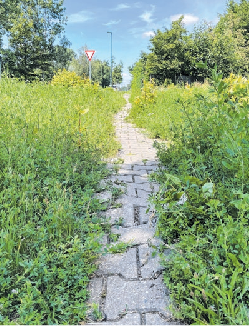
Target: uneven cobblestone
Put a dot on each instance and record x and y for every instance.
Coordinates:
(133, 295)
(128, 287)
(121, 263)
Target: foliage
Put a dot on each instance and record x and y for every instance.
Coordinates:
(51, 225)
(67, 78)
(117, 73)
(174, 52)
(33, 27)
(168, 56)
(100, 70)
(203, 201)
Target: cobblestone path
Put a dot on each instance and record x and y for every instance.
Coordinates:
(128, 287)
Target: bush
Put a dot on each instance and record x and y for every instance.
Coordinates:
(68, 79)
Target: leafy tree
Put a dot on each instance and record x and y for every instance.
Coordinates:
(63, 55)
(32, 35)
(168, 58)
(117, 73)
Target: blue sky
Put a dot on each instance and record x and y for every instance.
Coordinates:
(131, 24)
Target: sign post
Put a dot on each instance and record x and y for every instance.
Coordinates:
(90, 54)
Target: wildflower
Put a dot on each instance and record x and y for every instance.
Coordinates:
(14, 291)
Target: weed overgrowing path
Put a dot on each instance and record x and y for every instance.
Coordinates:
(128, 287)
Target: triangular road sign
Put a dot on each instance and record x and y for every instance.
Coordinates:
(90, 54)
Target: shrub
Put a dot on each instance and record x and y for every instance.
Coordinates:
(68, 79)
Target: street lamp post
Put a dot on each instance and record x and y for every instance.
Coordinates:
(111, 59)
(0, 65)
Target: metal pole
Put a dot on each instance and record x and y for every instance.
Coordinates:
(90, 71)
(111, 59)
(0, 66)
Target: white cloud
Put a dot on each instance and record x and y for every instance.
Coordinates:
(80, 17)
(187, 20)
(148, 34)
(121, 6)
(112, 22)
(146, 16)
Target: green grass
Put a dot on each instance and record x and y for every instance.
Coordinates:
(51, 163)
(206, 160)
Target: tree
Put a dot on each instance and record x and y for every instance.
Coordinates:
(168, 58)
(32, 36)
(63, 54)
(117, 73)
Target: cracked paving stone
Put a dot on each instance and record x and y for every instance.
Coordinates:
(149, 265)
(124, 199)
(95, 289)
(120, 178)
(126, 212)
(136, 235)
(149, 295)
(120, 263)
(128, 319)
(143, 194)
(155, 319)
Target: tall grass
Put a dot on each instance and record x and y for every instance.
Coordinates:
(203, 202)
(51, 152)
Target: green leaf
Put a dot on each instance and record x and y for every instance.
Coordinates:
(226, 164)
(234, 260)
(208, 188)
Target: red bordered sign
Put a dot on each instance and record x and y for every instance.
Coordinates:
(90, 54)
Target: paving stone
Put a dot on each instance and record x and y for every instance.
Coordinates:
(136, 235)
(126, 212)
(156, 187)
(149, 264)
(132, 187)
(120, 263)
(139, 167)
(125, 166)
(121, 178)
(155, 319)
(148, 295)
(133, 172)
(144, 186)
(95, 289)
(152, 163)
(128, 319)
(143, 216)
(143, 194)
(124, 199)
(104, 196)
(131, 190)
(140, 180)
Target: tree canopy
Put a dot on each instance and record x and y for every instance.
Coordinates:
(174, 52)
